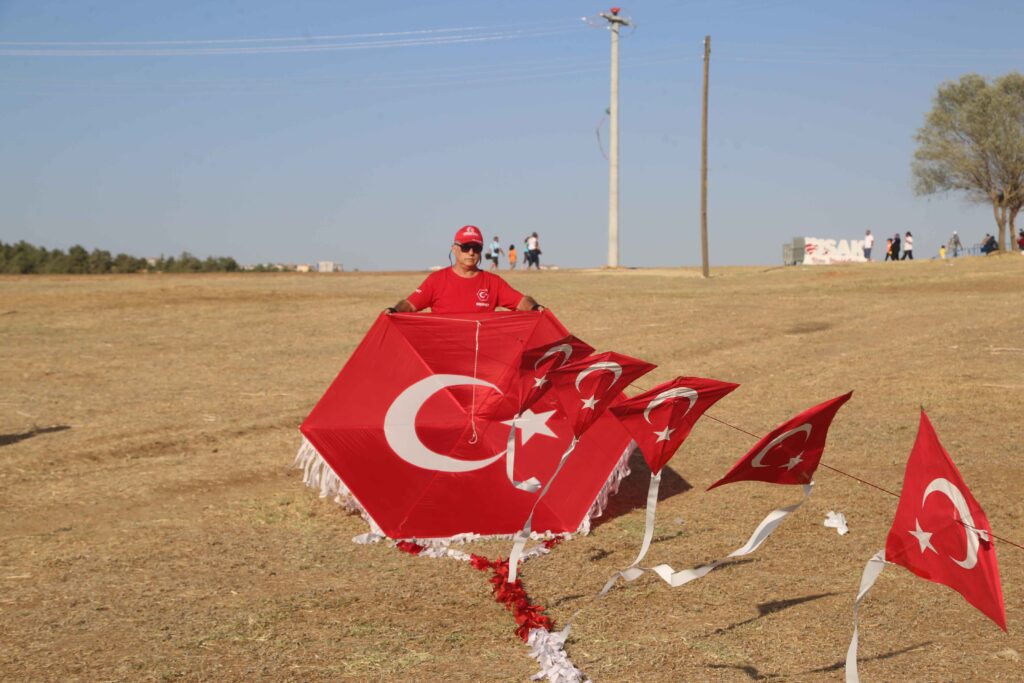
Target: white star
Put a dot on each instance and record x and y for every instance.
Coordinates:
(924, 538)
(589, 403)
(793, 462)
(531, 423)
(664, 434)
(538, 382)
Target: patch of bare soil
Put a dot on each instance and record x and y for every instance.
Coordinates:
(152, 529)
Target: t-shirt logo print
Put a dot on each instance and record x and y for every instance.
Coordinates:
(483, 294)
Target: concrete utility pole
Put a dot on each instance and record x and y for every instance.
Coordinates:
(704, 164)
(615, 22)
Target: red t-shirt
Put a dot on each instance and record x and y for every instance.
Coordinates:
(445, 292)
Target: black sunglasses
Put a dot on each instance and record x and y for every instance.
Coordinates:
(472, 246)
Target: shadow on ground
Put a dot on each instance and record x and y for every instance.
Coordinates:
(633, 489)
(8, 439)
(751, 671)
(888, 655)
(766, 608)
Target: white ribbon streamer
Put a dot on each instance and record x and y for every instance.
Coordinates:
(633, 572)
(523, 535)
(873, 568)
(531, 484)
(762, 532)
(547, 649)
(837, 520)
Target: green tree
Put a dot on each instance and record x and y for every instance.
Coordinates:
(972, 141)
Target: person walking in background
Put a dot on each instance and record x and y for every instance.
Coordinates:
(888, 248)
(1020, 242)
(896, 247)
(494, 252)
(908, 246)
(869, 242)
(955, 245)
(511, 257)
(533, 251)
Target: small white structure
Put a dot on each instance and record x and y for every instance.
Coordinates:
(326, 267)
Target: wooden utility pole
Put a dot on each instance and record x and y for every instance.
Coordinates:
(615, 22)
(704, 165)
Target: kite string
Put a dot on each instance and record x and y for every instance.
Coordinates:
(472, 409)
(862, 481)
(846, 474)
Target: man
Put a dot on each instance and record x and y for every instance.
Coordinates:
(869, 242)
(494, 252)
(533, 251)
(464, 288)
(955, 246)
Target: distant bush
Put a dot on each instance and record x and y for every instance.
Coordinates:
(24, 258)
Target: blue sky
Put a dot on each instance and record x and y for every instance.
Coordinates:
(367, 133)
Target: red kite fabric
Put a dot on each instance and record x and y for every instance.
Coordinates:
(536, 363)
(587, 387)
(661, 418)
(790, 453)
(416, 426)
(940, 532)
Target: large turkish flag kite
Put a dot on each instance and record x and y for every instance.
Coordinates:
(790, 453)
(587, 387)
(417, 422)
(661, 418)
(940, 532)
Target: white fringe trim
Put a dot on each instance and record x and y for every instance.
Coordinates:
(547, 649)
(317, 474)
(610, 488)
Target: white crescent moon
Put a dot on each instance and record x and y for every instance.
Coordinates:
(677, 392)
(950, 490)
(564, 349)
(400, 425)
(805, 428)
(608, 365)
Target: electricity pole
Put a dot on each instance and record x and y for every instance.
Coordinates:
(704, 165)
(615, 22)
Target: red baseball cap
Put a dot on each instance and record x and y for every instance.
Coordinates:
(468, 234)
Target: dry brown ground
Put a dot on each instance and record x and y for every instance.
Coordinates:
(152, 529)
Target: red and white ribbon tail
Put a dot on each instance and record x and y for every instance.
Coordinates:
(523, 535)
(634, 572)
(531, 484)
(873, 568)
(547, 649)
(761, 533)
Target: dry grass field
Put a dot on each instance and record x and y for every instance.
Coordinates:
(152, 529)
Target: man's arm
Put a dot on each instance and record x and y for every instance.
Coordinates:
(528, 303)
(402, 306)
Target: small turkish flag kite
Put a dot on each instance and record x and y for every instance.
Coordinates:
(537, 361)
(940, 532)
(659, 420)
(790, 453)
(587, 387)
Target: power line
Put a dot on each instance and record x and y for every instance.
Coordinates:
(291, 49)
(304, 38)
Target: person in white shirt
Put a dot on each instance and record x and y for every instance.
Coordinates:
(869, 242)
(908, 247)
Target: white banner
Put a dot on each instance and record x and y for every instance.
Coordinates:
(819, 251)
